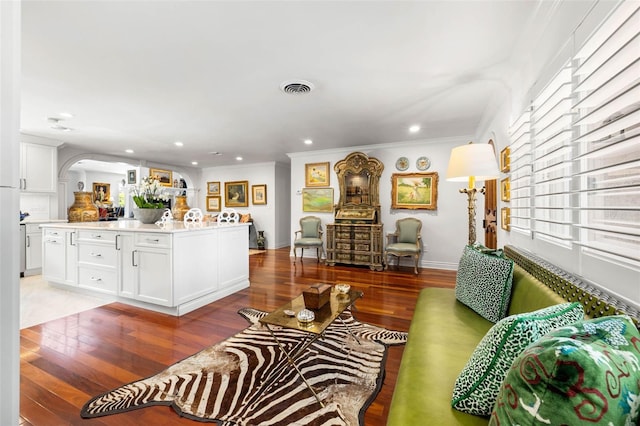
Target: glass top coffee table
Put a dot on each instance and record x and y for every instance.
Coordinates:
(313, 330)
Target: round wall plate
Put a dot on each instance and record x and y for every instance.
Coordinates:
(423, 163)
(402, 164)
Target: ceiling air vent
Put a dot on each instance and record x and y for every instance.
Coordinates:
(295, 87)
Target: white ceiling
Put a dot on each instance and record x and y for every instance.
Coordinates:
(142, 75)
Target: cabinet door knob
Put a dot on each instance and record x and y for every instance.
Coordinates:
(96, 279)
(95, 254)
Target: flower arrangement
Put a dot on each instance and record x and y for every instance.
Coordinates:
(149, 194)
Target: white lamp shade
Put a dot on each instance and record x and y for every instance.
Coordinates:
(472, 160)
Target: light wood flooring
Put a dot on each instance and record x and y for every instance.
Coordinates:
(66, 361)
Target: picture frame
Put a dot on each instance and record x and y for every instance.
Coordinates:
(132, 177)
(236, 194)
(165, 177)
(505, 189)
(213, 188)
(213, 203)
(317, 174)
(101, 192)
(414, 191)
(319, 200)
(259, 194)
(505, 218)
(505, 160)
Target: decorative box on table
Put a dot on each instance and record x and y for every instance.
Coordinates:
(316, 296)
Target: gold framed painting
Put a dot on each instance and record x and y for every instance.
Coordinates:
(317, 200)
(165, 177)
(505, 160)
(235, 194)
(213, 188)
(316, 174)
(101, 192)
(505, 218)
(258, 194)
(213, 203)
(131, 177)
(414, 191)
(505, 189)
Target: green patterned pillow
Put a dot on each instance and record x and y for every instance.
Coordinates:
(483, 283)
(477, 386)
(586, 373)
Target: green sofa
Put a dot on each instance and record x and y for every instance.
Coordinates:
(444, 333)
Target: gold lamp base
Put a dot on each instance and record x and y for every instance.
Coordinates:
(471, 194)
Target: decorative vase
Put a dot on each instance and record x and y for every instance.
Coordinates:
(147, 215)
(261, 240)
(180, 208)
(83, 209)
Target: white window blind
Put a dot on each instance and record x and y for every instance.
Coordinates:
(551, 134)
(520, 135)
(607, 140)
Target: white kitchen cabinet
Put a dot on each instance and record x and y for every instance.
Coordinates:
(38, 168)
(97, 261)
(60, 256)
(33, 254)
(145, 265)
(173, 270)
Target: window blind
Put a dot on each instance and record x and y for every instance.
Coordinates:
(606, 143)
(520, 135)
(552, 167)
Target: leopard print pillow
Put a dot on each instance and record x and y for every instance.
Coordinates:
(483, 283)
(477, 386)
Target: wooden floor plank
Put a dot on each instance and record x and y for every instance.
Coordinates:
(65, 361)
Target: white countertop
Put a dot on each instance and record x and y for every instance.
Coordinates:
(137, 226)
(29, 220)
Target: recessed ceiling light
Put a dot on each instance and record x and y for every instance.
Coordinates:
(178, 143)
(65, 114)
(308, 141)
(195, 163)
(414, 129)
(128, 151)
(239, 158)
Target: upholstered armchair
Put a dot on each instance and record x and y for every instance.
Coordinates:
(405, 242)
(309, 235)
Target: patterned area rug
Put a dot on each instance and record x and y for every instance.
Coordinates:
(246, 379)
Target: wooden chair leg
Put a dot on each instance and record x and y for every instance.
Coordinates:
(415, 268)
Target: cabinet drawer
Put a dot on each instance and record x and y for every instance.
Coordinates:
(97, 254)
(98, 279)
(362, 235)
(343, 246)
(93, 235)
(153, 240)
(32, 227)
(54, 233)
(361, 247)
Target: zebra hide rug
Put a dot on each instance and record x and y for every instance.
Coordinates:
(246, 379)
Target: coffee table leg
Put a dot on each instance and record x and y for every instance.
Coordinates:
(293, 363)
(349, 330)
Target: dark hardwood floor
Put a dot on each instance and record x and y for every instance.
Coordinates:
(67, 361)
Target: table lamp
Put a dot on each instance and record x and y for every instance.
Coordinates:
(472, 162)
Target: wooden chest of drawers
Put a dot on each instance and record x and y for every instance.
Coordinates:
(355, 244)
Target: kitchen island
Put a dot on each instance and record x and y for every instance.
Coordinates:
(172, 269)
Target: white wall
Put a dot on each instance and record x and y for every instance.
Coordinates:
(268, 218)
(444, 231)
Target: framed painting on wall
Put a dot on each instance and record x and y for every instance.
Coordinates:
(505, 189)
(317, 200)
(131, 177)
(165, 177)
(316, 174)
(414, 191)
(258, 194)
(235, 194)
(505, 218)
(213, 203)
(505, 160)
(213, 188)
(101, 192)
